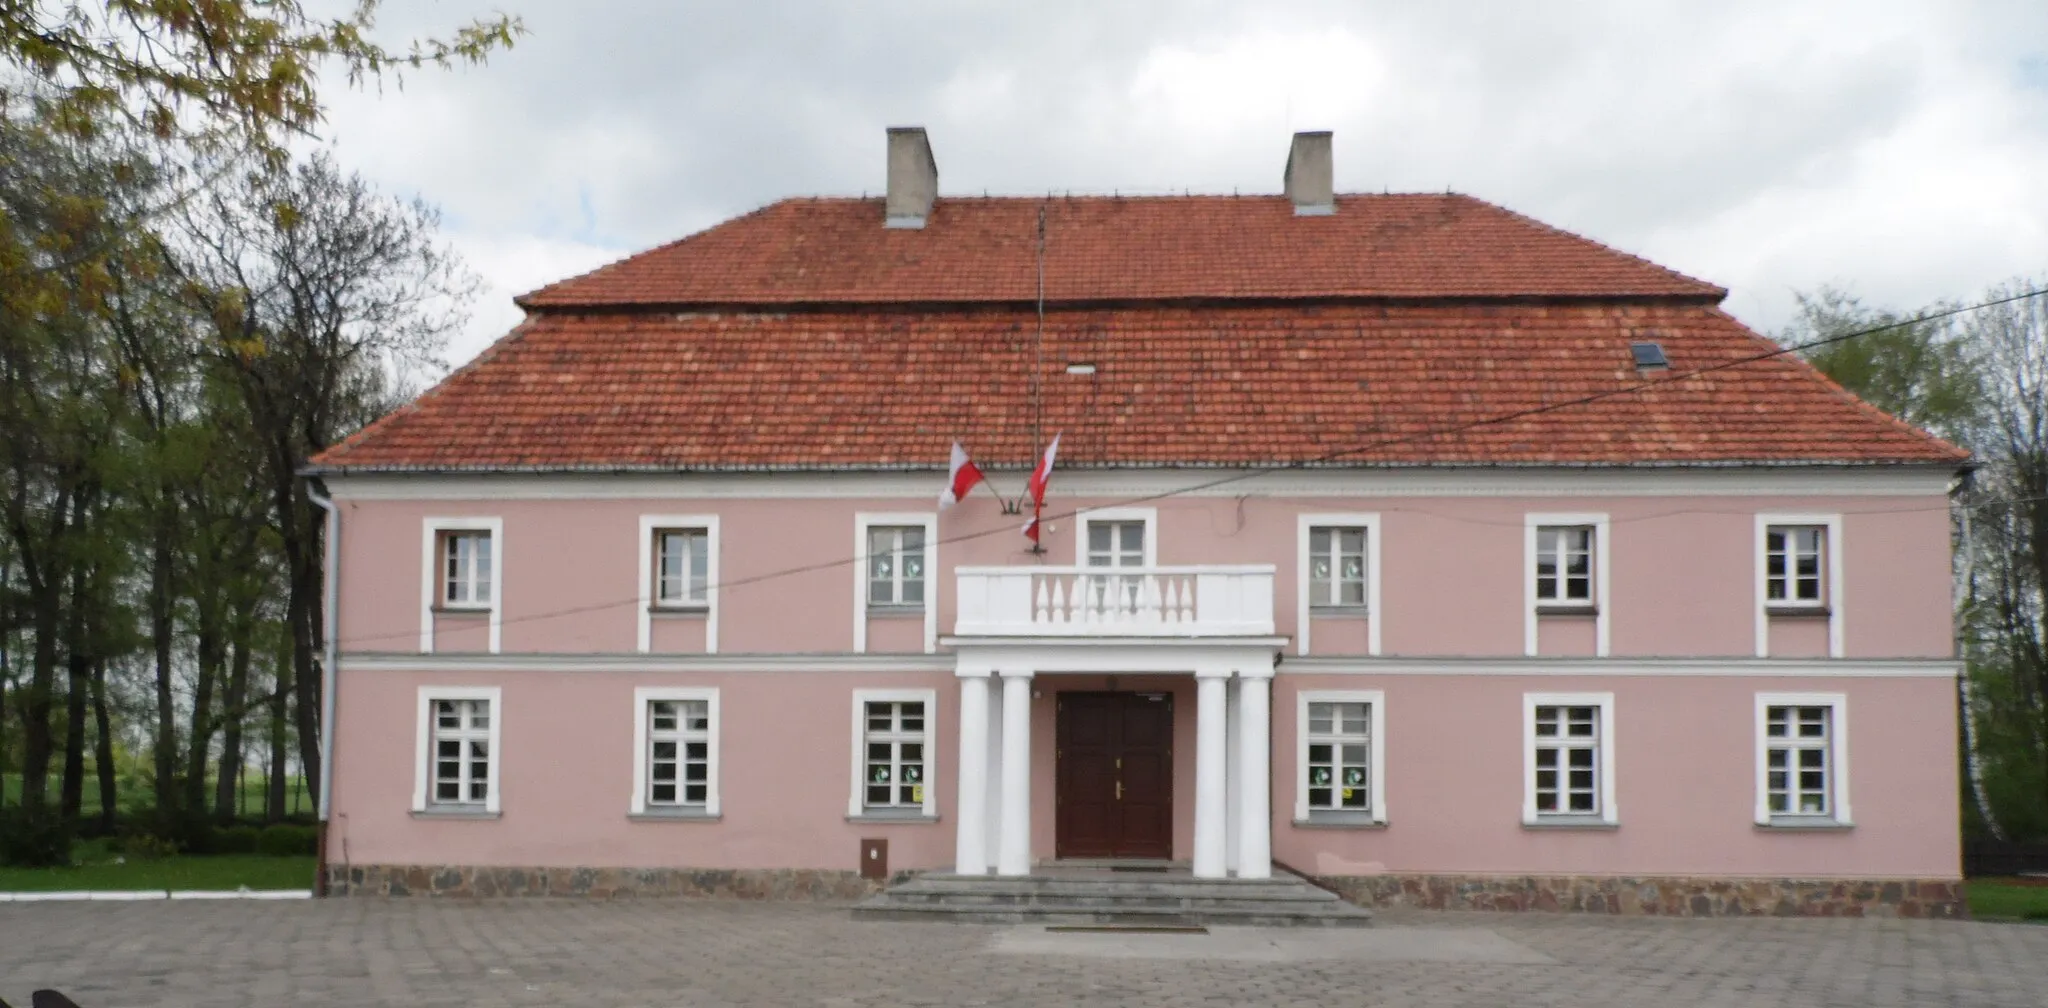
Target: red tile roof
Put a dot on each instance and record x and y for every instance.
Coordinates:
(1121, 250)
(1243, 384)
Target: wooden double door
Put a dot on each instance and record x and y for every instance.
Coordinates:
(1115, 776)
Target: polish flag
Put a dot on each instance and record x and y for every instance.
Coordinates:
(1036, 488)
(961, 479)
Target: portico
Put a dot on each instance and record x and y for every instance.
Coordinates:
(1025, 632)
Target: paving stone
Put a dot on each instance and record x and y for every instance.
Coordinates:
(695, 953)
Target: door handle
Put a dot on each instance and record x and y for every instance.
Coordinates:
(1119, 790)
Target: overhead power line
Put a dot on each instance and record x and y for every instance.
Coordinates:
(1332, 456)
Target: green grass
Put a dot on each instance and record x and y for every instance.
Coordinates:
(2006, 899)
(137, 797)
(97, 868)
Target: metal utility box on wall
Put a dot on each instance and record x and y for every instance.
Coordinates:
(874, 858)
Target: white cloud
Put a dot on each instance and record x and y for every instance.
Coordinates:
(1769, 147)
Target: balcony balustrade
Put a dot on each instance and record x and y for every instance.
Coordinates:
(1202, 601)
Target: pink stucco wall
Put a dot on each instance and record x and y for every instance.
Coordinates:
(1683, 571)
(1685, 776)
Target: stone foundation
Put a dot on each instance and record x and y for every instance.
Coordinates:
(463, 881)
(1664, 896)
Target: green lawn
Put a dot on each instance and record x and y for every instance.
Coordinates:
(2007, 899)
(137, 797)
(99, 868)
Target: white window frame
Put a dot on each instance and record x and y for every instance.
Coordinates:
(644, 695)
(432, 529)
(1304, 525)
(1838, 759)
(1609, 814)
(1086, 517)
(423, 751)
(649, 524)
(1603, 546)
(856, 805)
(1376, 812)
(1831, 592)
(862, 522)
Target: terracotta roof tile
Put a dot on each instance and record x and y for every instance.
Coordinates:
(1250, 384)
(1111, 249)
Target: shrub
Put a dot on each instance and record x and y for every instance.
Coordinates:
(34, 838)
(237, 840)
(147, 846)
(159, 832)
(287, 840)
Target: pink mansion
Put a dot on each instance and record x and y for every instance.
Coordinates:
(1398, 542)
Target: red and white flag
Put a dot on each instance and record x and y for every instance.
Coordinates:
(1036, 488)
(960, 479)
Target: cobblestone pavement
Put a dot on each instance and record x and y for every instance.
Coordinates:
(562, 952)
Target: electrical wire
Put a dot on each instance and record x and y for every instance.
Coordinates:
(1325, 459)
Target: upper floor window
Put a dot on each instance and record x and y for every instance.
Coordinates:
(466, 569)
(1564, 565)
(1116, 543)
(1336, 567)
(1793, 556)
(896, 565)
(1569, 759)
(682, 571)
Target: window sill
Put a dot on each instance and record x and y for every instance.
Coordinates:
(1340, 612)
(449, 610)
(665, 815)
(699, 609)
(451, 813)
(1364, 822)
(1593, 823)
(915, 819)
(1796, 612)
(1805, 824)
(895, 611)
(1567, 609)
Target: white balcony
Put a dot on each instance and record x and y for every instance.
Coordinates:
(1206, 601)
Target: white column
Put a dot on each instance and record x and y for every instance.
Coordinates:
(970, 842)
(1013, 853)
(1211, 762)
(1255, 780)
(992, 818)
(1231, 800)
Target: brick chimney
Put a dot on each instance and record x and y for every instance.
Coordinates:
(913, 177)
(1309, 179)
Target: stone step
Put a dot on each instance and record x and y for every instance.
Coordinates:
(1029, 897)
(1249, 915)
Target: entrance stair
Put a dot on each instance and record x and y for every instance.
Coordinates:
(1112, 896)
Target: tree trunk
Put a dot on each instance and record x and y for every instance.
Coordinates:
(35, 709)
(77, 663)
(211, 659)
(166, 748)
(225, 788)
(103, 745)
(300, 537)
(273, 805)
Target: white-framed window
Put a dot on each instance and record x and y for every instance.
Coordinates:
(898, 558)
(1341, 775)
(682, 568)
(1564, 565)
(675, 745)
(1793, 565)
(1799, 574)
(1565, 568)
(456, 761)
(1568, 763)
(894, 737)
(1117, 537)
(462, 563)
(1339, 559)
(1802, 759)
(466, 570)
(678, 574)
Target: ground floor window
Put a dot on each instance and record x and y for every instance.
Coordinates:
(893, 733)
(1802, 765)
(1569, 759)
(676, 742)
(458, 750)
(1341, 777)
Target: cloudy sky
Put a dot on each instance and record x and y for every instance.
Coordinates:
(1898, 150)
